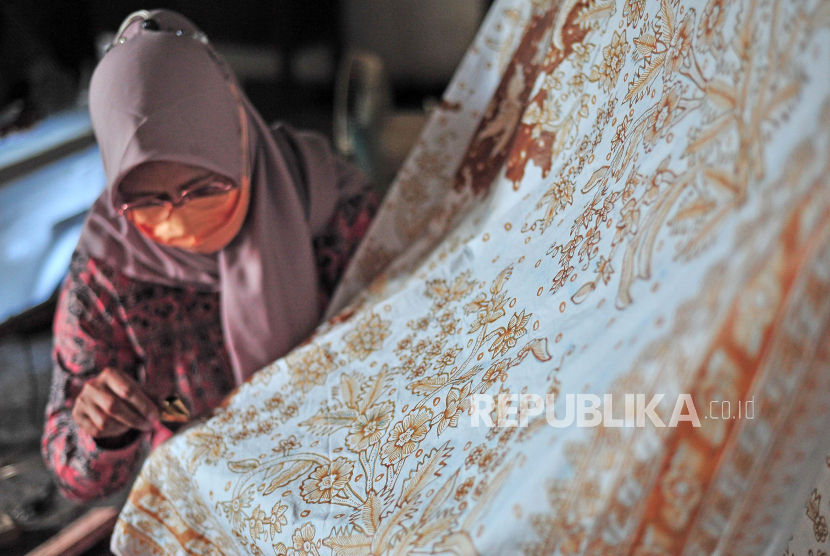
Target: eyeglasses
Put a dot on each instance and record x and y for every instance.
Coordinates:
(204, 187)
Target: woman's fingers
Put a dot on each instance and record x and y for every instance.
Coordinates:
(86, 424)
(92, 419)
(128, 390)
(114, 408)
(99, 422)
(83, 421)
(113, 403)
(80, 414)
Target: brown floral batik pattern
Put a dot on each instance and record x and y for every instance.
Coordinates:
(614, 197)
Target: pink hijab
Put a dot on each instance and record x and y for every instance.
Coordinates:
(162, 95)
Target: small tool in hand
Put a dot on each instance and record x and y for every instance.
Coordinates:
(174, 412)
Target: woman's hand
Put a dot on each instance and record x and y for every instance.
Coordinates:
(113, 403)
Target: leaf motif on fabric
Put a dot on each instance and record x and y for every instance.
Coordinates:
(348, 542)
(428, 469)
(326, 421)
(373, 388)
(283, 478)
(428, 385)
(243, 466)
(595, 13)
(370, 513)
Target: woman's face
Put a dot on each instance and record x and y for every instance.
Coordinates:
(184, 206)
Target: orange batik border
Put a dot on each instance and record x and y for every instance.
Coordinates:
(654, 527)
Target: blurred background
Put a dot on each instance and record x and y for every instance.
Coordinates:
(364, 72)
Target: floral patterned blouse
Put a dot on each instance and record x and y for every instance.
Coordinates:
(170, 339)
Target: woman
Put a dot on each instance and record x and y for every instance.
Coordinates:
(211, 252)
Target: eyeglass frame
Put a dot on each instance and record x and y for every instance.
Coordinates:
(225, 185)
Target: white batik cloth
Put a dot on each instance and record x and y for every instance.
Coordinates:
(626, 197)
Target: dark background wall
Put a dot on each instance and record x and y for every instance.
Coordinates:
(56, 38)
(47, 47)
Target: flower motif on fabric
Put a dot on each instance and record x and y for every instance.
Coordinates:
(661, 117)
(303, 543)
(633, 11)
(405, 436)
(367, 336)
(506, 337)
(497, 372)
(326, 481)
(208, 446)
(235, 509)
(814, 514)
(457, 402)
(613, 59)
(369, 427)
(709, 34)
(310, 366)
(277, 519)
(256, 523)
(680, 44)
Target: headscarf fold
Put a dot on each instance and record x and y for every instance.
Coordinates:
(161, 95)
